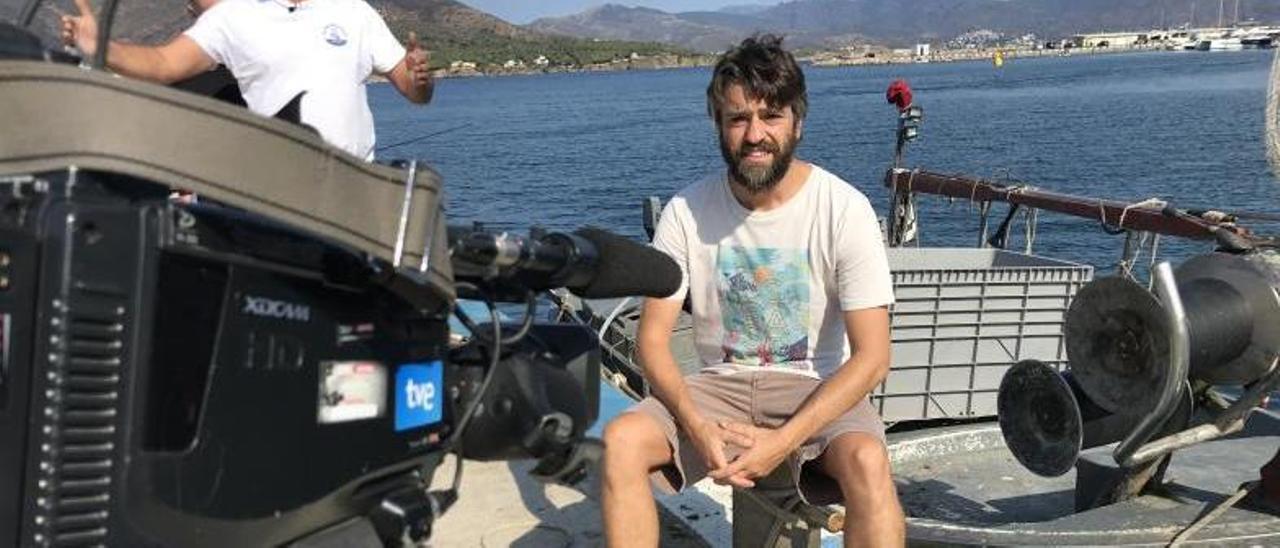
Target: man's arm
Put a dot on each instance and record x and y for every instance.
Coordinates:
(653, 345)
(411, 75)
(179, 59)
(868, 332)
(658, 319)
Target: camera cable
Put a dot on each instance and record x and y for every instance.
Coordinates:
(495, 342)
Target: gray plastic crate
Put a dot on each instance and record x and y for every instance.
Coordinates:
(962, 318)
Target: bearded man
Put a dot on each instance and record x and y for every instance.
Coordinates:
(785, 268)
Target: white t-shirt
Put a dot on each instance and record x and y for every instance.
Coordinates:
(769, 287)
(327, 48)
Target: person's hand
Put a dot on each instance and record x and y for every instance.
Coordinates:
(417, 60)
(708, 439)
(764, 450)
(81, 30)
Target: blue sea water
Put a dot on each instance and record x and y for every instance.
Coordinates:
(568, 150)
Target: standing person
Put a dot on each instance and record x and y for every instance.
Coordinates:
(278, 49)
(786, 271)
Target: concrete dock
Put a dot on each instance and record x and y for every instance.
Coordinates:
(500, 505)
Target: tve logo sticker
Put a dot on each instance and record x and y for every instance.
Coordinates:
(419, 394)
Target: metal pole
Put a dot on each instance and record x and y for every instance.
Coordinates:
(105, 19)
(28, 12)
(410, 178)
(1229, 422)
(1175, 377)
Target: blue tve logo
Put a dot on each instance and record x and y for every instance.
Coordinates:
(419, 394)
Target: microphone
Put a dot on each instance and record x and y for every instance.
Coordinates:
(592, 263)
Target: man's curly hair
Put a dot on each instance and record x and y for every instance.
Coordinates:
(765, 71)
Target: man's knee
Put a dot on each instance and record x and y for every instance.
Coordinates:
(635, 439)
(858, 459)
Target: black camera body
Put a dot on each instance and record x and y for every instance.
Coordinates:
(195, 375)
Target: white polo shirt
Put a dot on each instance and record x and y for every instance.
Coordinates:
(327, 48)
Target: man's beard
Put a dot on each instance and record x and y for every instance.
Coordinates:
(757, 179)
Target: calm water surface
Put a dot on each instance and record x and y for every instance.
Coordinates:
(569, 150)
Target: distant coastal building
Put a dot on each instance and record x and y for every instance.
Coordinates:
(1111, 39)
(922, 50)
(462, 67)
(1179, 38)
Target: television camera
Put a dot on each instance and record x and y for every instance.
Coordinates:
(273, 364)
(198, 375)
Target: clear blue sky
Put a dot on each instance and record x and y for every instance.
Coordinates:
(523, 11)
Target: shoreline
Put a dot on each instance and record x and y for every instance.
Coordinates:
(827, 59)
(848, 59)
(661, 62)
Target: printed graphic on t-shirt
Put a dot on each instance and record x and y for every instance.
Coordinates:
(335, 35)
(764, 304)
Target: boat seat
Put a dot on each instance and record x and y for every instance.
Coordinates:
(774, 515)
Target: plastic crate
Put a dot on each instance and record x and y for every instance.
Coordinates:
(962, 318)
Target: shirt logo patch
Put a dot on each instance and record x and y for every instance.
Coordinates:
(335, 35)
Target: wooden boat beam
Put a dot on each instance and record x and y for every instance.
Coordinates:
(1111, 213)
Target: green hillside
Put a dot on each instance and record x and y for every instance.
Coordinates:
(455, 32)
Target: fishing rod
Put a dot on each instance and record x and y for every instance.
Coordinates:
(423, 137)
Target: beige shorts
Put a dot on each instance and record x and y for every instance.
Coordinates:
(766, 399)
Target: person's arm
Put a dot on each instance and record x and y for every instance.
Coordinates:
(868, 332)
(405, 66)
(179, 59)
(658, 320)
(411, 76)
(653, 345)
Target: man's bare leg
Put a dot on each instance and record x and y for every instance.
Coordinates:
(873, 515)
(634, 446)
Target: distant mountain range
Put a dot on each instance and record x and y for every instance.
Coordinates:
(815, 23)
(696, 31)
(454, 31)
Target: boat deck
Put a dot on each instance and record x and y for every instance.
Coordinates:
(963, 485)
(501, 505)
